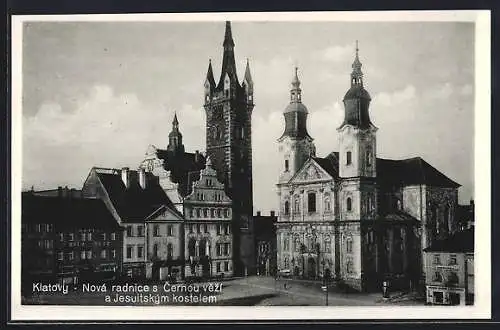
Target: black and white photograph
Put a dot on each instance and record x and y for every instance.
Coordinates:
(257, 161)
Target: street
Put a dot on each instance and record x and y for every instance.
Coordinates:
(247, 291)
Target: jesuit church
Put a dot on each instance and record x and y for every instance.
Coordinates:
(350, 215)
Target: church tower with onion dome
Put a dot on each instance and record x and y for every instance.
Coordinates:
(295, 144)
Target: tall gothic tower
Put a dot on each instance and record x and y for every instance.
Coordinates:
(295, 144)
(228, 106)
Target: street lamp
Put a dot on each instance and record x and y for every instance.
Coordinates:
(325, 280)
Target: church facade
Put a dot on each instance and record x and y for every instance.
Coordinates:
(352, 216)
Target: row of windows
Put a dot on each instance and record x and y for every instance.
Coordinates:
(452, 260)
(129, 254)
(212, 213)
(156, 231)
(218, 268)
(43, 227)
(86, 255)
(86, 236)
(222, 229)
(311, 204)
(298, 245)
(202, 248)
(452, 278)
(368, 155)
(218, 196)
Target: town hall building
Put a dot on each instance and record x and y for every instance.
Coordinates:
(350, 215)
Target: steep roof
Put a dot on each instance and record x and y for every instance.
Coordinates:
(184, 167)
(66, 212)
(411, 171)
(134, 203)
(329, 163)
(462, 241)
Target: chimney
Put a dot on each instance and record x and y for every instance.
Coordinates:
(142, 178)
(258, 213)
(126, 176)
(196, 156)
(471, 202)
(272, 213)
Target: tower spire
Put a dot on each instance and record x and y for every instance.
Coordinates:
(228, 36)
(248, 76)
(357, 74)
(295, 92)
(175, 137)
(228, 62)
(210, 73)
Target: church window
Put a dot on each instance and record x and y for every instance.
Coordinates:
(311, 202)
(296, 206)
(349, 245)
(328, 245)
(368, 157)
(287, 208)
(349, 204)
(348, 158)
(286, 165)
(437, 277)
(349, 267)
(453, 278)
(437, 259)
(327, 205)
(286, 244)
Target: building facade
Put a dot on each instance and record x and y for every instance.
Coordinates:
(228, 107)
(208, 234)
(152, 240)
(68, 239)
(350, 215)
(265, 243)
(449, 267)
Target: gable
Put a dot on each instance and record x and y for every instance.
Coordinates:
(164, 213)
(311, 172)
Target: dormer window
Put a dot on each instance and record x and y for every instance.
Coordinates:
(348, 158)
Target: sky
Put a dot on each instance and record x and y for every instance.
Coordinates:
(99, 93)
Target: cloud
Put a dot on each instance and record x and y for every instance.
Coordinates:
(336, 53)
(396, 98)
(106, 129)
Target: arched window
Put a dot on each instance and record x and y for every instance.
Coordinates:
(328, 207)
(368, 157)
(328, 245)
(286, 165)
(349, 267)
(311, 202)
(349, 204)
(205, 213)
(437, 277)
(198, 213)
(297, 205)
(287, 208)
(349, 245)
(219, 214)
(348, 158)
(453, 278)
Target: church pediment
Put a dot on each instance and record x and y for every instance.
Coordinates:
(311, 172)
